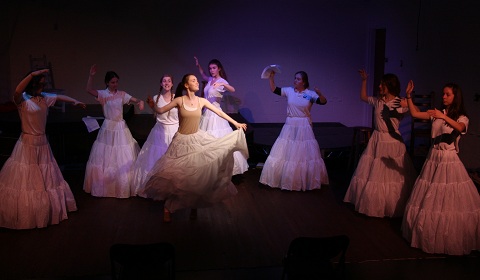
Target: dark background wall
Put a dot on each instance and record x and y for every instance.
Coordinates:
(429, 41)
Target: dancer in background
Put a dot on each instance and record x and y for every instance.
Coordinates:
(443, 213)
(210, 122)
(385, 174)
(109, 167)
(160, 136)
(196, 169)
(295, 162)
(33, 193)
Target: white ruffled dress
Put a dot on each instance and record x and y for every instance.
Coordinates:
(295, 162)
(33, 193)
(385, 174)
(109, 168)
(443, 213)
(156, 144)
(217, 126)
(196, 170)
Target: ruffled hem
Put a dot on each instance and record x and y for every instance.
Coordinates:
(195, 171)
(384, 178)
(109, 168)
(219, 127)
(33, 193)
(295, 162)
(152, 150)
(443, 213)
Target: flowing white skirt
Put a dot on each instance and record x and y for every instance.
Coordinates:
(443, 213)
(384, 178)
(219, 127)
(33, 193)
(196, 170)
(109, 168)
(152, 150)
(295, 162)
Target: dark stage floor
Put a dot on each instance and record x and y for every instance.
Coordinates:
(244, 237)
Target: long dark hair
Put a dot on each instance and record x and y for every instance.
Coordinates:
(457, 108)
(179, 91)
(222, 72)
(110, 75)
(392, 83)
(304, 78)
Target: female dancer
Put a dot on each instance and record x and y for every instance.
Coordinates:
(443, 213)
(385, 174)
(210, 122)
(295, 162)
(109, 167)
(159, 138)
(196, 169)
(33, 193)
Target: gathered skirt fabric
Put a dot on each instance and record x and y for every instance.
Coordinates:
(33, 193)
(196, 170)
(219, 127)
(383, 179)
(109, 168)
(152, 150)
(295, 162)
(443, 213)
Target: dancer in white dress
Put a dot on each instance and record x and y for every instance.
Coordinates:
(295, 162)
(210, 122)
(197, 168)
(109, 168)
(385, 174)
(443, 213)
(159, 137)
(33, 193)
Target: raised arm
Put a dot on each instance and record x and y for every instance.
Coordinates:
(411, 107)
(220, 113)
(200, 69)
(363, 90)
(271, 80)
(90, 90)
(151, 103)
(17, 96)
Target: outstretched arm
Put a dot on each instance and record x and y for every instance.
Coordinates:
(69, 99)
(137, 102)
(222, 114)
(163, 109)
(90, 90)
